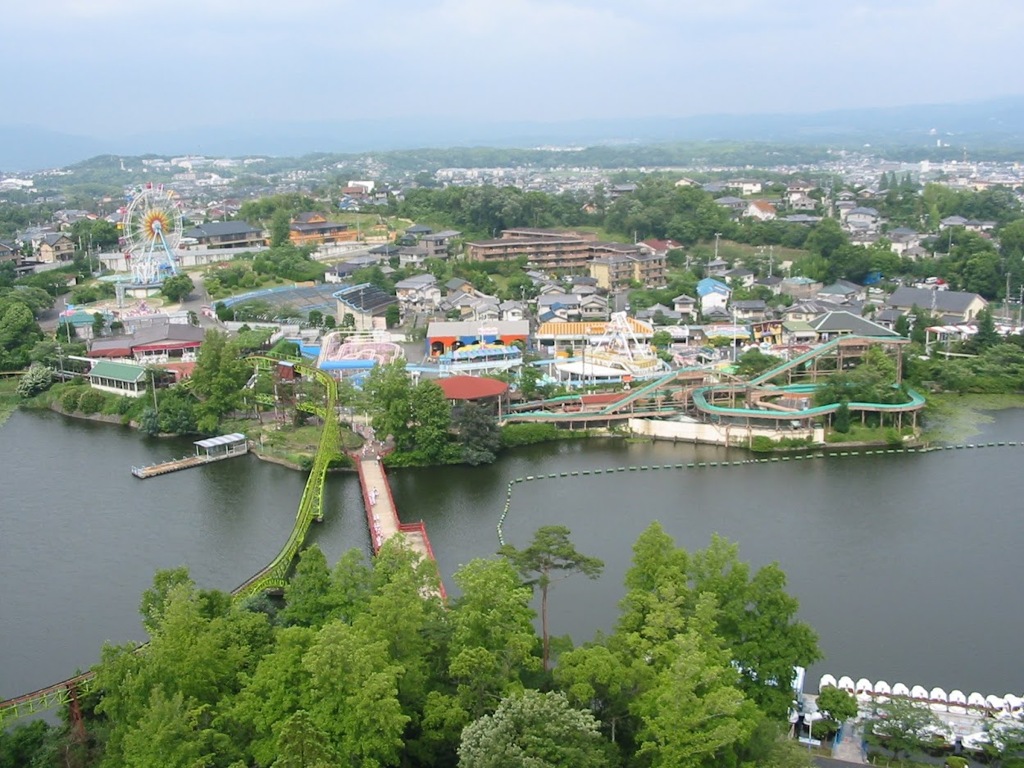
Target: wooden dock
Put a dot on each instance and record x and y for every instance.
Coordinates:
(216, 449)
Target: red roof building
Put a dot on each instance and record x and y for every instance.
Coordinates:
(472, 388)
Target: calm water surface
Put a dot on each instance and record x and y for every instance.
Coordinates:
(904, 565)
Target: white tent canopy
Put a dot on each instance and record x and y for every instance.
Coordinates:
(827, 681)
(900, 690)
(919, 692)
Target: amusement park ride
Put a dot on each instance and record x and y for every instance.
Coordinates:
(151, 228)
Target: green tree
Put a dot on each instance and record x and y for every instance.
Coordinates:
(308, 593)
(694, 710)
(837, 704)
(478, 433)
(534, 729)
(901, 725)
(354, 695)
(430, 415)
(389, 393)
(277, 689)
(218, 379)
(754, 362)
(987, 335)
(18, 334)
(280, 228)
(36, 379)
(492, 634)
(300, 744)
(551, 554)
(841, 421)
(177, 287)
(392, 316)
(170, 733)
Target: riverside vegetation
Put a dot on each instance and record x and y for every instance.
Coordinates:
(361, 666)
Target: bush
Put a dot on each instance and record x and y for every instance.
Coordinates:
(91, 402)
(893, 437)
(513, 435)
(762, 444)
(955, 761)
(35, 380)
(69, 400)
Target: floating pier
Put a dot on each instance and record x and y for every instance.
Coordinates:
(207, 451)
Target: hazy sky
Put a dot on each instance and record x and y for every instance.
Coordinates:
(125, 66)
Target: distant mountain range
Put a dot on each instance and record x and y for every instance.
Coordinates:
(993, 122)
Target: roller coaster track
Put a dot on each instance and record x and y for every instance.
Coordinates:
(271, 578)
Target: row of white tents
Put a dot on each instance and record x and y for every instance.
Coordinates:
(955, 702)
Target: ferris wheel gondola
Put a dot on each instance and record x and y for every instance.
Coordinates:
(150, 231)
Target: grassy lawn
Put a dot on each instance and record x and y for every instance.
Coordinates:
(866, 434)
(296, 445)
(951, 418)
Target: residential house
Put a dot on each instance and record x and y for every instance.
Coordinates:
(226, 234)
(761, 210)
(313, 228)
(55, 247)
(418, 230)
(457, 285)
(802, 203)
(659, 314)
(558, 306)
(746, 186)
(958, 306)
(953, 221)
(418, 293)
(734, 205)
(513, 311)
(713, 294)
(339, 273)
(9, 252)
(750, 310)
(412, 256)
(384, 252)
(798, 189)
(862, 217)
(477, 306)
(902, 239)
(799, 287)
(740, 277)
(593, 307)
(806, 311)
(842, 292)
(438, 244)
(658, 247)
(718, 267)
(772, 283)
(686, 306)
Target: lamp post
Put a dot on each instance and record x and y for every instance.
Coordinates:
(717, 235)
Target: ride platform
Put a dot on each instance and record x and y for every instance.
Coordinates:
(207, 451)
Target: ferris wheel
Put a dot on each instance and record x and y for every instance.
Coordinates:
(150, 231)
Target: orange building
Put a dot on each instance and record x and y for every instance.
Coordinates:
(315, 229)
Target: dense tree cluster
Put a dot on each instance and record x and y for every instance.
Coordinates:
(365, 666)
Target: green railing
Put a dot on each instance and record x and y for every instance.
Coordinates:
(275, 575)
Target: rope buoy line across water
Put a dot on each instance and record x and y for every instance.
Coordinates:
(742, 462)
